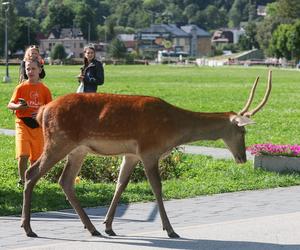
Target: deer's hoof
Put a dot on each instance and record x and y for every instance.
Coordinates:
(173, 235)
(31, 234)
(110, 232)
(96, 233)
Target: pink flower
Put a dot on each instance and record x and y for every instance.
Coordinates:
(275, 149)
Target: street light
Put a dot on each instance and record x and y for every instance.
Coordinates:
(105, 39)
(89, 32)
(6, 5)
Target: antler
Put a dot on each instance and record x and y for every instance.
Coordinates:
(250, 99)
(245, 111)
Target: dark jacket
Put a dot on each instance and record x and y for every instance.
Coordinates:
(93, 73)
(23, 74)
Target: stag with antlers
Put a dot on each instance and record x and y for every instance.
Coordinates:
(140, 128)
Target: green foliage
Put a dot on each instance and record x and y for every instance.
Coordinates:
(248, 41)
(194, 176)
(294, 41)
(264, 33)
(59, 15)
(117, 49)
(289, 9)
(286, 40)
(58, 52)
(90, 14)
(238, 13)
(105, 169)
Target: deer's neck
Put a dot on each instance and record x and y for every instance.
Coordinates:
(204, 126)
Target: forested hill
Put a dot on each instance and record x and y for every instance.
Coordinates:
(208, 14)
(102, 20)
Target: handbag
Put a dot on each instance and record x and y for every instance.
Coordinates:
(80, 88)
(30, 122)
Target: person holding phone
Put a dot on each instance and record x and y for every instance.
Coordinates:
(92, 73)
(27, 98)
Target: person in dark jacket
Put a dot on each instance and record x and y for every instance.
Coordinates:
(32, 53)
(92, 73)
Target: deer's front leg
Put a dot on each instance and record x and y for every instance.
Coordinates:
(71, 170)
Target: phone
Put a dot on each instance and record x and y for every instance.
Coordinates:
(22, 101)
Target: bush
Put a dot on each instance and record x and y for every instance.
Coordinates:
(106, 169)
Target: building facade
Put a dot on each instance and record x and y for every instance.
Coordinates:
(189, 39)
(71, 39)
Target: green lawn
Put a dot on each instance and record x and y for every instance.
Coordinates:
(196, 88)
(200, 89)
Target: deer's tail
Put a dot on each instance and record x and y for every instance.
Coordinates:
(39, 117)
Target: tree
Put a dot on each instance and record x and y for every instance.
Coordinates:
(85, 19)
(25, 32)
(293, 43)
(238, 12)
(58, 52)
(264, 33)
(289, 9)
(279, 41)
(117, 49)
(59, 15)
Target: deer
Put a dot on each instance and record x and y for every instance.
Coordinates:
(139, 128)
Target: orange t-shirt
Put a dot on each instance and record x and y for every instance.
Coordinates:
(35, 94)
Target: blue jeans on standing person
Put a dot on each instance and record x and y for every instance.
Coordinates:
(90, 88)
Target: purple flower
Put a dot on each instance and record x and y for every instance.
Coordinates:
(275, 149)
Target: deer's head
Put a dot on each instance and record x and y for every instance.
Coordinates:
(235, 134)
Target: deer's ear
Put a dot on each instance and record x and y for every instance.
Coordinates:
(241, 120)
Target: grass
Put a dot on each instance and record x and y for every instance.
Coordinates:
(200, 89)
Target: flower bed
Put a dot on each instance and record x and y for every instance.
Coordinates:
(278, 158)
(273, 149)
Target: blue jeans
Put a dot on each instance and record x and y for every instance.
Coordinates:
(90, 88)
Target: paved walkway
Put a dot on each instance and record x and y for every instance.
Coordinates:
(252, 220)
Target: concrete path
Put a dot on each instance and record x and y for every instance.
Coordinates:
(252, 220)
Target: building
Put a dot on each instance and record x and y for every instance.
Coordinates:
(188, 39)
(71, 39)
(128, 40)
(227, 36)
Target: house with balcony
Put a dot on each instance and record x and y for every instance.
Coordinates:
(188, 39)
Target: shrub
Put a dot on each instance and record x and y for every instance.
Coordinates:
(106, 169)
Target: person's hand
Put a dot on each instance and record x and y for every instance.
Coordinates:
(80, 77)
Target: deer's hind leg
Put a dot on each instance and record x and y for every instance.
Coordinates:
(127, 166)
(66, 181)
(47, 160)
(152, 172)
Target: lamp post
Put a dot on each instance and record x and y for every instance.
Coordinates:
(6, 78)
(105, 38)
(89, 32)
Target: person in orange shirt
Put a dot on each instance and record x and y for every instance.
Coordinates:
(27, 98)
